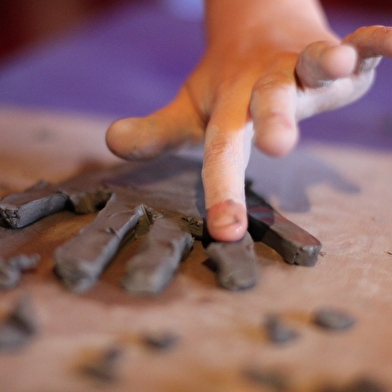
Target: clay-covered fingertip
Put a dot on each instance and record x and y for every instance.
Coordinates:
(227, 221)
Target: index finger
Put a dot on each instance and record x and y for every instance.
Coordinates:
(226, 155)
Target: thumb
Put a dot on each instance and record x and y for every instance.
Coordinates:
(169, 128)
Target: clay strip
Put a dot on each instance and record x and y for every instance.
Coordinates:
(294, 244)
(21, 209)
(152, 268)
(235, 262)
(81, 260)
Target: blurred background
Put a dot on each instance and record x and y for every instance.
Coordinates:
(25, 22)
(120, 58)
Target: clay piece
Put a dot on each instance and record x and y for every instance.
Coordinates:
(196, 226)
(159, 256)
(365, 384)
(81, 260)
(19, 327)
(11, 269)
(279, 332)
(294, 244)
(333, 319)
(271, 379)
(161, 340)
(21, 209)
(105, 367)
(361, 384)
(235, 263)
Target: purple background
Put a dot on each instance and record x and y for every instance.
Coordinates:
(132, 60)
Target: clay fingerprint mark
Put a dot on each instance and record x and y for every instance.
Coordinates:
(294, 244)
(160, 254)
(80, 261)
(21, 209)
(235, 263)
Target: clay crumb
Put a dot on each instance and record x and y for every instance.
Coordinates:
(271, 379)
(20, 325)
(333, 319)
(105, 367)
(161, 340)
(11, 269)
(361, 384)
(277, 331)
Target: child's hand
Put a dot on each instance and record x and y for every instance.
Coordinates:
(269, 82)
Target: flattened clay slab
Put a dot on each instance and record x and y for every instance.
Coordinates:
(12, 268)
(235, 262)
(294, 244)
(21, 209)
(81, 260)
(164, 247)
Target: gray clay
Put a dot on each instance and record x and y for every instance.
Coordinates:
(361, 384)
(152, 268)
(11, 269)
(81, 260)
(364, 384)
(19, 327)
(105, 367)
(161, 340)
(271, 379)
(278, 332)
(235, 263)
(294, 244)
(195, 226)
(21, 209)
(333, 319)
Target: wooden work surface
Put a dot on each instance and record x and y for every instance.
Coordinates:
(340, 195)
